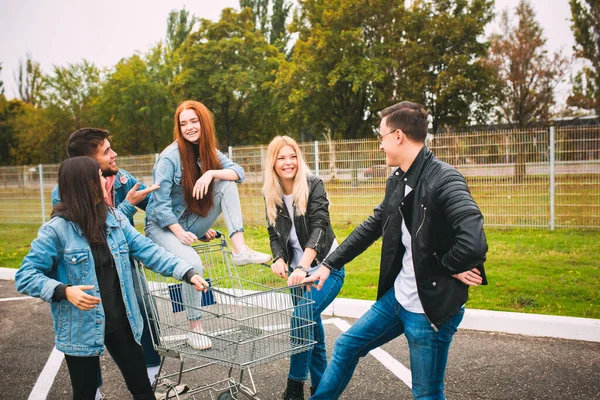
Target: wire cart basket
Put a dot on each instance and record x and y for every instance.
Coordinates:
(247, 318)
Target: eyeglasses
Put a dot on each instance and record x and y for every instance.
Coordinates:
(380, 136)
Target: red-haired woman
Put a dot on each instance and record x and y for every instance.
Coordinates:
(197, 184)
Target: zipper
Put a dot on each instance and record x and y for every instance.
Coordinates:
(430, 323)
(386, 222)
(423, 221)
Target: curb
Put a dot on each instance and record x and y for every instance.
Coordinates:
(572, 328)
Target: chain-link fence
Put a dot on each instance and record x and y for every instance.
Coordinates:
(542, 178)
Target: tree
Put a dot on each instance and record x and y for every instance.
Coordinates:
(279, 35)
(179, 25)
(442, 62)
(135, 104)
(1, 83)
(9, 110)
(30, 81)
(260, 12)
(524, 64)
(72, 90)
(586, 29)
(230, 67)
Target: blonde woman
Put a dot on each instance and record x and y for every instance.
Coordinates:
(301, 237)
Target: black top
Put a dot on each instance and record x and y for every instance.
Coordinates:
(110, 288)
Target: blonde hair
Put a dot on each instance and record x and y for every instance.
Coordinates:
(272, 190)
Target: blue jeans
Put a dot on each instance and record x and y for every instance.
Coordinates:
(226, 199)
(315, 360)
(386, 320)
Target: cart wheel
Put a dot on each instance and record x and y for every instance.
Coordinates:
(225, 396)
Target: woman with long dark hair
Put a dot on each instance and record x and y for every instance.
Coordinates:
(80, 264)
(197, 184)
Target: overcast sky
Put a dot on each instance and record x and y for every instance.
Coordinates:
(59, 32)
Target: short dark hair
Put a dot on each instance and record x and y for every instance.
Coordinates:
(85, 141)
(410, 118)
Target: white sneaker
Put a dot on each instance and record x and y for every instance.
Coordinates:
(197, 340)
(163, 386)
(249, 256)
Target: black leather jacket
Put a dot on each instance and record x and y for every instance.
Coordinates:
(446, 228)
(313, 228)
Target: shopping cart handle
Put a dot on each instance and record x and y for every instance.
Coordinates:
(219, 234)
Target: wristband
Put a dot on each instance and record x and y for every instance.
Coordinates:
(301, 268)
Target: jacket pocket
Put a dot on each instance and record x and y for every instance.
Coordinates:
(60, 314)
(77, 263)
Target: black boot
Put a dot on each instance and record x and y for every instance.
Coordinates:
(294, 390)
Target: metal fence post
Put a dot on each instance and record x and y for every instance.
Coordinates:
(41, 170)
(316, 158)
(551, 141)
(230, 151)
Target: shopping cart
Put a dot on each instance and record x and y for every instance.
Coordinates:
(248, 315)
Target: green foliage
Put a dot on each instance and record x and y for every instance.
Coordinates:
(531, 75)
(30, 81)
(135, 104)
(341, 69)
(586, 29)
(66, 104)
(230, 67)
(179, 25)
(9, 110)
(1, 83)
(441, 63)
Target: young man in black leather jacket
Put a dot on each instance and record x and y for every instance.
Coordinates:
(433, 249)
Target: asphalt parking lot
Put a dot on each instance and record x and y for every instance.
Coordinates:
(483, 365)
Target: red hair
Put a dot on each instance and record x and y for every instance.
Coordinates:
(207, 146)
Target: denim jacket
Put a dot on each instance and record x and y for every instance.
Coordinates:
(61, 254)
(124, 182)
(168, 203)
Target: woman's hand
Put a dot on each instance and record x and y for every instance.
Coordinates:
(209, 235)
(471, 278)
(199, 283)
(187, 238)
(279, 268)
(80, 299)
(201, 186)
(296, 277)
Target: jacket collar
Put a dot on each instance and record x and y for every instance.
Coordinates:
(411, 177)
(111, 223)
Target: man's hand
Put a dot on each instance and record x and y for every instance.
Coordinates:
(187, 238)
(201, 186)
(320, 275)
(209, 235)
(134, 196)
(279, 268)
(471, 278)
(80, 299)
(199, 283)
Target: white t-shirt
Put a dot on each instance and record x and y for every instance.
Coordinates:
(297, 250)
(405, 285)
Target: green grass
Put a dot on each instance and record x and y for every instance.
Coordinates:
(533, 271)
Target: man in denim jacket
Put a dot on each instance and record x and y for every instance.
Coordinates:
(125, 193)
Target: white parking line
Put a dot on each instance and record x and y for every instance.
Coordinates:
(17, 298)
(389, 362)
(46, 378)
